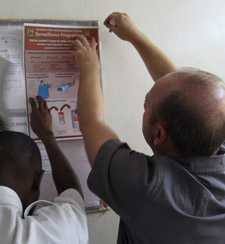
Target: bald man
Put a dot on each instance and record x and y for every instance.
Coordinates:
(178, 194)
(23, 218)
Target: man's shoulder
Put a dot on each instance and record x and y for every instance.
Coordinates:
(115, 146)
(68, 200)
(57, 216)
(10, 199)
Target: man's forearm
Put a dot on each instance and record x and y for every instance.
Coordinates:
(157, 63)
(90, 102)
(91, 114)
(90, 99)
(63, 174)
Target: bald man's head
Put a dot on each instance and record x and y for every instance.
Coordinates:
(191, 105)
(20, 165)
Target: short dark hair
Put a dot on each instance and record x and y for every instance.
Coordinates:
(18, 148)
(190, 132)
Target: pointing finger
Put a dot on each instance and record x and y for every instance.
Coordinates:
(41, 103)
(84, 41)
(110, 21)
(78, 44)
(93, 43)
(33, 104)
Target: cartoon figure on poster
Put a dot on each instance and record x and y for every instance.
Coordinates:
(63, 119)
(43, 89)
(65, 87)
(74, 117)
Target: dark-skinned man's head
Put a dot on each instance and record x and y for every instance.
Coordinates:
(20, 165)
(185, 114)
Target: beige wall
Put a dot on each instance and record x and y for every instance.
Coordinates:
(192, 32)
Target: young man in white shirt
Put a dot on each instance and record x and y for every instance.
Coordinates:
(23, 219)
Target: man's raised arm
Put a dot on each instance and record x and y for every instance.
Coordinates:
(157, 63)
(90, 99)
(62, 172)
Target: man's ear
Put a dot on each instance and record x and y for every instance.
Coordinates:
(161, 134)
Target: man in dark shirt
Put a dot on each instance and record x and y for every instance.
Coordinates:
(178, 194)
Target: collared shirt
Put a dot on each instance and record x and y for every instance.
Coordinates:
(61, 221)
(162, 199)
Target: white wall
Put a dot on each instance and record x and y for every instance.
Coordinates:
(192, 32)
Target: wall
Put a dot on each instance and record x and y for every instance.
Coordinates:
(191, 32)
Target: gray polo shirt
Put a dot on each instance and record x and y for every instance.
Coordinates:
(161, 199)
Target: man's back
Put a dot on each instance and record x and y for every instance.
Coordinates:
(189, 203)
(161, 199)
(61, 221)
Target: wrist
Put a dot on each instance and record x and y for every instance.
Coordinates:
(137, 38)
(90, 70)
(48, 137)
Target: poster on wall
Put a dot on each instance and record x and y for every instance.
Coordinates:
(51, 72)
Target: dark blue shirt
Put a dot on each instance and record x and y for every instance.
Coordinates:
(161, 199)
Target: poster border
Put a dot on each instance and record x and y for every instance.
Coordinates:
(89, 24)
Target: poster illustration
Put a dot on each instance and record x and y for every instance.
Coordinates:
(52, 73)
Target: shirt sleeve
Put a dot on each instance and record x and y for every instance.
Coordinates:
(121, 177)
(71, 197)
(65, 218)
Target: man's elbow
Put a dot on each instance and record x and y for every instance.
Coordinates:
(88, 122)
(84, 125)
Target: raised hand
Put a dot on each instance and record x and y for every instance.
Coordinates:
(40, 118)
(122, 25)
(86, 54)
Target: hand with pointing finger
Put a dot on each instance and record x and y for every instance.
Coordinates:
(40, 118)
(122, 25)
